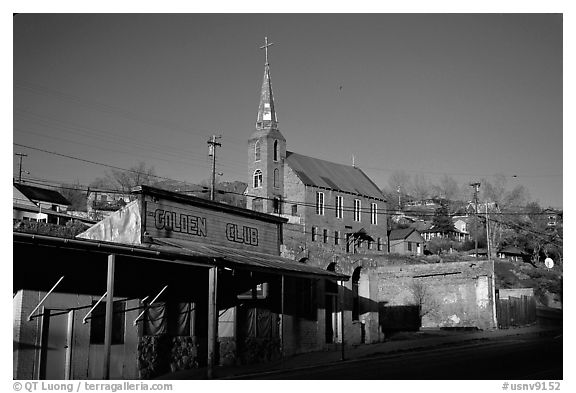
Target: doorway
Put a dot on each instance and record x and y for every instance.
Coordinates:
(56, 349)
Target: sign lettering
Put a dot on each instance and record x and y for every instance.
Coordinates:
(178, 222)
(244, 234)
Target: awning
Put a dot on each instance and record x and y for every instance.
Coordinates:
(191, 253)
(249, 260)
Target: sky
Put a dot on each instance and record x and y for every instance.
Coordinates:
(467, 95)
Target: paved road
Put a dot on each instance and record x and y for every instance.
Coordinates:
(505, 358)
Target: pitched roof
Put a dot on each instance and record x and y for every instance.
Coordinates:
(400, 234)
(41, 194)
(512, 251)
(320, 173)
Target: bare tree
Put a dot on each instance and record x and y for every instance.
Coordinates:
(421, 187)
(447, 188)
(423, 298)
(399, 180)
(124, 181)
(75, 194)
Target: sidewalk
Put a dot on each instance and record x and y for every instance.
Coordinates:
(402, 342)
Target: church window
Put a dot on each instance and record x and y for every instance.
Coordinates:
(314, 234)
(379, 244)
(257, 151)
(336, 238)
(294, 210)
(320, 203)
(276, 151)
(339, 207)
(374, 214)
(276, 178)
(357, 207)
(349, 242)
(325, 235)
(257, 178)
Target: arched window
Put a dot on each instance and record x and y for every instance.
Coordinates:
(257, 151)
(276, 178)
(276, 151)
(257, 178)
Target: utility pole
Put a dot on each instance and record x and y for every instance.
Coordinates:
(476, 188)
(488, 233)
(20, 168)
(212, 144)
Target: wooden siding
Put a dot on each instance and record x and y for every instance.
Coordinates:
(171, 219)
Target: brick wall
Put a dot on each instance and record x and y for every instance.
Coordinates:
(267, 165)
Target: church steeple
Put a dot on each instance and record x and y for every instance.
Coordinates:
(266, 152)
(266, 112)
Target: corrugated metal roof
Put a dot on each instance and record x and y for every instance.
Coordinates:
(234, 257)
(42, 194)
(326, 174)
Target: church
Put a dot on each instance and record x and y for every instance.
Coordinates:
(337, 218)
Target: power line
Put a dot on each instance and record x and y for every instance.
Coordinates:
(61, 185)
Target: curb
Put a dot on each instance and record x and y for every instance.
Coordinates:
(355, 360)
(448, 343)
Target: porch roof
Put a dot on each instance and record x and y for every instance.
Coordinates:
(249, 260)
(186, 252)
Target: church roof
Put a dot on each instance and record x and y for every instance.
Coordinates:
(339, 177)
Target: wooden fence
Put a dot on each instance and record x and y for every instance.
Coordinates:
(516, 311)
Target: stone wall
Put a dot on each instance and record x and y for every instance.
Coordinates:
(455, 295)
(159, 355)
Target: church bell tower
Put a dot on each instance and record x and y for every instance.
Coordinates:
(266, 153)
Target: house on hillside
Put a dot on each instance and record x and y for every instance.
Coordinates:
(405, 241)
(461, 223)
(39, 204)
(452, 234)
(101, 203)
(512, 253)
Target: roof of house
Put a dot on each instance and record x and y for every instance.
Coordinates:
(511, 250)
(41, 194)
(400, 234)
(433, 229)
(325, 174)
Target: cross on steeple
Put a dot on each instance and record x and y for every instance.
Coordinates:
(265, 47)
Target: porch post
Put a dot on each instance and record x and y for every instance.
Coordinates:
(342, 316)
(69, 345)
(282, 319)
(212, 319)
(109, 315)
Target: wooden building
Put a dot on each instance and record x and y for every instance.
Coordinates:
(406, 241)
